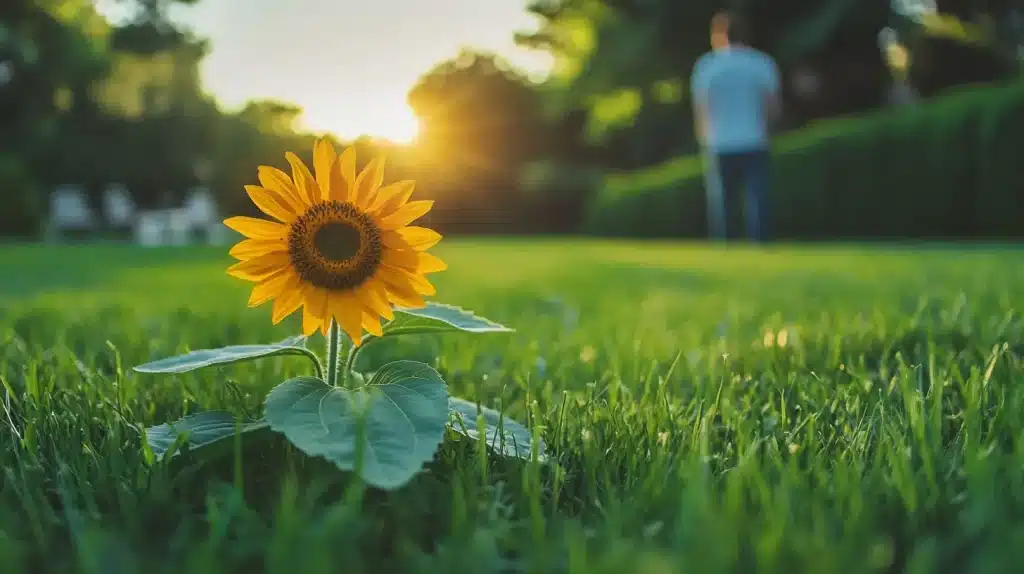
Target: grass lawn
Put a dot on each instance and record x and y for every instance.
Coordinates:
(825, 409)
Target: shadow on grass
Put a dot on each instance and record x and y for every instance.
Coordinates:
(451, 496)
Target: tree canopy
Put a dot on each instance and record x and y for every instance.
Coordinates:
(87, 101)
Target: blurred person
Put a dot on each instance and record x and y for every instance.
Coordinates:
(736, 98)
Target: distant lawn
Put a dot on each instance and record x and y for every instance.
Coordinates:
(886, 435)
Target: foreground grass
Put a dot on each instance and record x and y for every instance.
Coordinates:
(882, 432)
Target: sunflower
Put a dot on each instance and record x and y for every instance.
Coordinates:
(340, 247)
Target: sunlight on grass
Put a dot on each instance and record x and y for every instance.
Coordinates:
(881, 436)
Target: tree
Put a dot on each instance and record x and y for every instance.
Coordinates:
(956, 42)
(259, 134)
(480, 122)
(52, 50)
(91, 104)
(619, 58)
(477, 116)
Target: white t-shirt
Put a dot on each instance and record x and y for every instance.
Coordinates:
(732, 84)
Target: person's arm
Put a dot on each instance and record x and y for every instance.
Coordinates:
(698, 96)
(700, 118)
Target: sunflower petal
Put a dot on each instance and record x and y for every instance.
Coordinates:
(310, 322)
(249, 248)
(324, 157)
(304, 182)
(325, 312)
(371, 322)
(271, 204)
(405, 299)
(392, 240)
(347, 311)
(428, 263)
(347, 169)
(270, 288)
(396, 258)
(418, 262)
(259, 268)
(336, 183)
(368, 182)
(406, 214)
(373, 296)
(257, 228)
(419, 283)
(418, 238)
(288, 302)
(391, 197)
(313, 318)
(400, 286)
(278, 182)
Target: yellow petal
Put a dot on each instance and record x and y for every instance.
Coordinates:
(404, 299)
(323, 310)
(347, 311)
(257, 228)
(270, 287)
(324, 157)
(419, 283)
(427, 263)
(406, 214)
(249, 248)
(270, 203)
(259, 268)
(310, 322)
(398, 258)
(373, 296)
(399, 291)
(368, 182)
(413, 261)
(372, 324)
(418, 238)
(392, 240)
(338, 187)
(347, 169)
(278, 181)
(314, 300)
(288, 302)
(391, 197)
(304, 182)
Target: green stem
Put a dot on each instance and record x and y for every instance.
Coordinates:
(353, 353)
(333, 342)
(350, 361)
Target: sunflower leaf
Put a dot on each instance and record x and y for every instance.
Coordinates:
(225, 355)
(439, 318)
(502, 434)
(197, 431)
(385, 430)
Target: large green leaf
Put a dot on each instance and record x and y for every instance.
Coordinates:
(386, 430)
(225, 355)
(440, 318)
(200, 429)
(502, 434)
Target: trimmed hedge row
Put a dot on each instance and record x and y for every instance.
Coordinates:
(952, 167)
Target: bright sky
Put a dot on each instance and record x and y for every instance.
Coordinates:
(348, 63)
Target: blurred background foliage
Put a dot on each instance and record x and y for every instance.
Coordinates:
(604, 145)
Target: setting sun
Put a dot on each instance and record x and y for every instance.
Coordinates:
(336, 64)
(390, 120)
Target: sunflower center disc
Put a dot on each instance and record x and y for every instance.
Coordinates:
(337, 241)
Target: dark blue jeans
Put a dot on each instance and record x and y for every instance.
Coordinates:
(726, 174)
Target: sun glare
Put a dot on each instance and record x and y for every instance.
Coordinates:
(395, 123)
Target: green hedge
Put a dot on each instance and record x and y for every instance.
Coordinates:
(952, 167)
